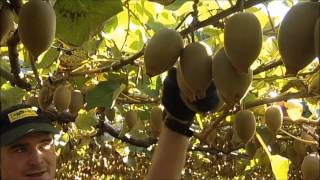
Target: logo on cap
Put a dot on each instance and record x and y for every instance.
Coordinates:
(21, 113)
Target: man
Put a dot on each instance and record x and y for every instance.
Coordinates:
(27, 149)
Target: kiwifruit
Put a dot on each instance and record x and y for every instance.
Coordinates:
(6, 21)
(45, 97)
(162, 51)
(317, 38)
(244, 125)
(76, 102)
(310, 167)
(33, 101)
(62, 98)
(37, 26)
(273, 118)
(314, 85)
(131, 118)
(156, 122)
(242, 40)
(231, 84)
(184, 88)
(296, 36)
(195, 64)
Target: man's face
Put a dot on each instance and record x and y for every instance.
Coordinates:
(31, 157)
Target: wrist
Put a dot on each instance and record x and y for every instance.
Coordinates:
(177, 125)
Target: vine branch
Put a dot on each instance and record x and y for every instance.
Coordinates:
(283, 97)
(12, 43)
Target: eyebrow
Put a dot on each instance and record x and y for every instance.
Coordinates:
(18, 145)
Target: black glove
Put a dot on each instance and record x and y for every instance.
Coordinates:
(178, 116)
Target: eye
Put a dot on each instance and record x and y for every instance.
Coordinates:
(20, 149)
(46, 145)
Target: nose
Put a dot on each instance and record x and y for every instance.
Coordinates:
(35, 157)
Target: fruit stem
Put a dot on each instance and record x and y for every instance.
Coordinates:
(299, 139)
(34, 69)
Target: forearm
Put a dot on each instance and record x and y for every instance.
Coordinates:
(169, 157)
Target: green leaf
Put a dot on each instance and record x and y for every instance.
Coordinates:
(280, 167)
(279, 164)
(10, 95)
(85, 120)
(111, 24)
(155, 26)
(102, 94)
(50, 56)
(78, 20)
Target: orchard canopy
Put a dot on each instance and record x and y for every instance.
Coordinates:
(83, 62)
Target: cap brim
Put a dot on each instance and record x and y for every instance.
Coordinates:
(15, 134)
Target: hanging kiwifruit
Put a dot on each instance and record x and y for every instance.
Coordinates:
(6, 21)
(33, 101)
(156, 122)
(131, 118)
(185, 89)
(232, 85)
(45, 97)
(296, 36)
(244, 125)
(195, 64)
(273, 118)
(314, 85)
(310, 167)
(76, 102)
(62, 98)
(317, 37)
(37, 26)
(162, 51)
(242, 40)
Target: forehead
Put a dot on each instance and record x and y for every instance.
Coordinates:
(33, 137)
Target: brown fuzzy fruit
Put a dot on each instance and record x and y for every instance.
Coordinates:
(296, 36)
(162, 51)
(45, 97)
(185, 89)
(244, 125)
(273, 118)
(76, 102)
(6, 21)
(195, 64)
(131, 119)
(232, 85)
(62, 98)
(242, 40)
(310, 167)
(317, 37)
(156, 122)
(314, 85)
(37, 26)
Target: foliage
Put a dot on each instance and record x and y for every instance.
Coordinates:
(98, 49)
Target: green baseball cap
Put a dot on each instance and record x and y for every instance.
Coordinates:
(19, 120)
